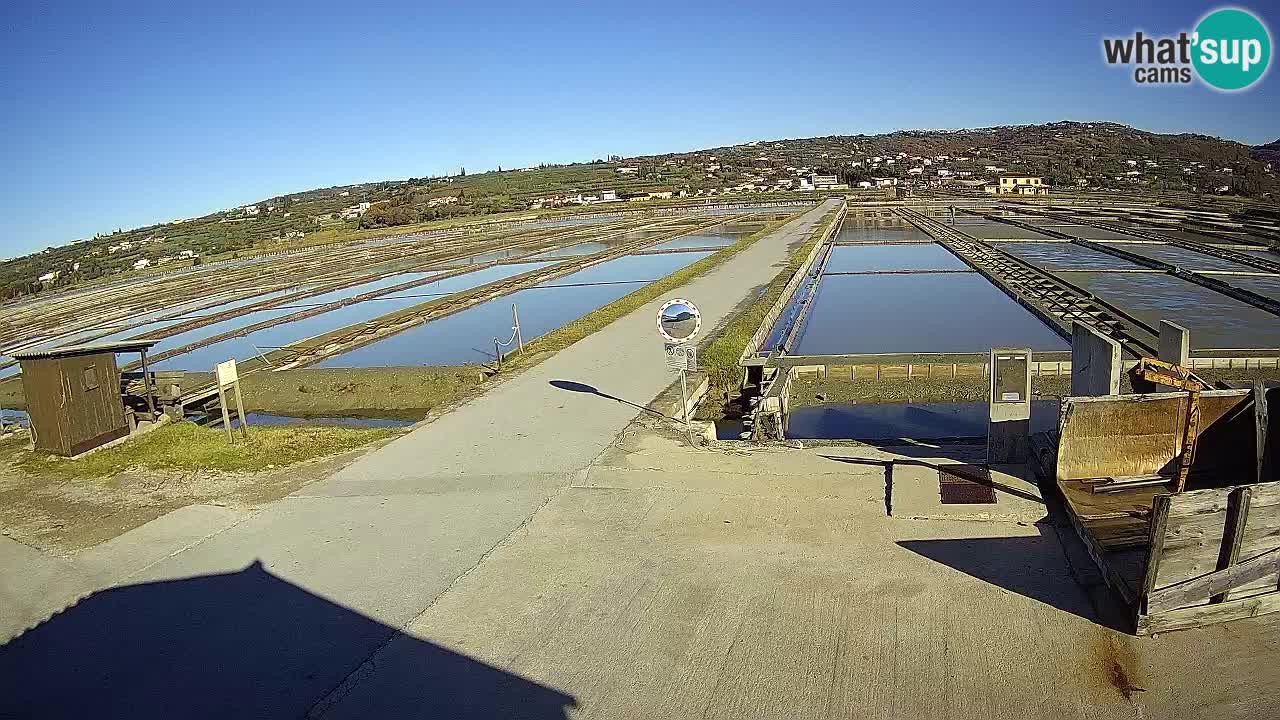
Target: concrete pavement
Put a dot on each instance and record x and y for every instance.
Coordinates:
(388, 535)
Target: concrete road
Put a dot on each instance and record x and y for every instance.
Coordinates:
(381, 540)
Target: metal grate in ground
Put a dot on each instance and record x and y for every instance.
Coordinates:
(970, 486)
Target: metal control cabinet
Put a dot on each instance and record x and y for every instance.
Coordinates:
(1009, 427)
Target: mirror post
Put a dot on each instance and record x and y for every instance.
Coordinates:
(684, 408)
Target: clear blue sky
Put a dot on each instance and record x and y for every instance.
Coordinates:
(122, 114)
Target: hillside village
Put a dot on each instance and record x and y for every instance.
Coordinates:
(1052, 158)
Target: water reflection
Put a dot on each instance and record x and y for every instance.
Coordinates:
(919, 313)
(467, 336)
(879, 258)
(919, 421)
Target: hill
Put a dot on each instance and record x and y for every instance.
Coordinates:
(1269, 153)
(1068, 154)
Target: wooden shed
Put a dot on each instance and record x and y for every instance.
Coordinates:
(73, 394)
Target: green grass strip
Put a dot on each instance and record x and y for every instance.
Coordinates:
(720, 358)
(190, 447)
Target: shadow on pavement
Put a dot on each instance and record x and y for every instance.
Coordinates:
(578, 387)
(975, 472)
(242, 644)
(1034, 567)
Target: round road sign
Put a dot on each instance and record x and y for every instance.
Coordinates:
(679, 321)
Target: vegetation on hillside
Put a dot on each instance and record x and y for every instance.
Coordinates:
(1098, 156)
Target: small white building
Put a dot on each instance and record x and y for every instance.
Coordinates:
(143, 263)
(628, 170)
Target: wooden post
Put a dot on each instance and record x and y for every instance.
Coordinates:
(244, 422)
(1233, 533)
(226, 416)
(1260, 429)
(146, 383)
(1190, 434)
(1155, 546)
(515, 320)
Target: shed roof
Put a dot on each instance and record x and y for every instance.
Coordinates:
(86, 349)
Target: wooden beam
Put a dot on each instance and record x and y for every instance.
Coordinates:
(1233, 533)
(1155, 546)
(146, 385)
(1201, 615)
(1197, 589)
(1260, 427)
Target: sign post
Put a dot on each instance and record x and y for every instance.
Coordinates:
(678, 323)
(1009, 428)
(229, 378)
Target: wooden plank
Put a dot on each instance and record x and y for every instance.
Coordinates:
(1159, 518)
(226, 417)
(1119, 533)
(1080, 497)
(1193, 545)
(1099, 557)
(1198, 524)
(1126, 435)
(1197, 590)
(1199, 615)
(1215, 500)
(1125, 568)
(1233, 535)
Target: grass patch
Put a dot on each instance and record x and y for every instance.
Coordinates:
(187, 446)
(720, 357)
(404, 391)
(594, 321)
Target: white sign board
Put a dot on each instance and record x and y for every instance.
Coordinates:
(227, 373)
(681, 357)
